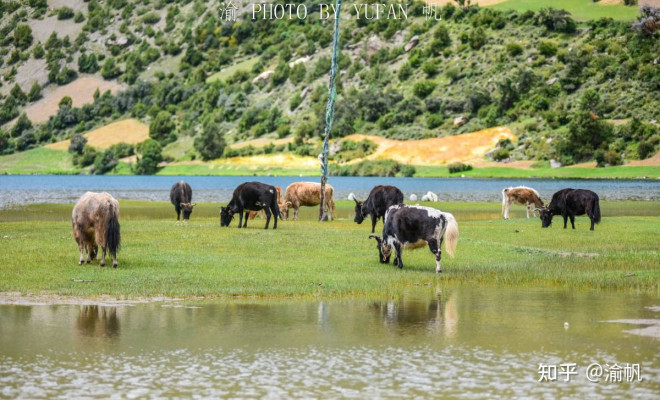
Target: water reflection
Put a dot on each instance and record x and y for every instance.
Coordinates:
(98, 321)
(412, 315)
(458, 343)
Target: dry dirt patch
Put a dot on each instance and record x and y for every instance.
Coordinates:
(129, 131)
(81, 92)
(438, 151)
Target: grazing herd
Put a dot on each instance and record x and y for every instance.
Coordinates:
(95, 217)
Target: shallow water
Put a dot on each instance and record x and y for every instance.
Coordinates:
(31, 189)
(461, 343)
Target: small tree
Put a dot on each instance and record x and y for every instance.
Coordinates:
(17, 93)
(151, 156)
(211, 142)
(105, 162)
(110, 69)
(162, 127)
(22, 37)
(77, 144)
(22, 124)
(35, 92)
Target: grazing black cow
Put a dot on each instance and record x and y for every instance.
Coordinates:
(181, 197)
(412, 227)
(571, 202)
(251, 196)
(376, 204)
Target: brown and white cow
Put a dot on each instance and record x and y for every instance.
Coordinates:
(521, 195)
(306, 194)
(95, 220)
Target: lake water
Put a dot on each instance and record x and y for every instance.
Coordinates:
(30, 189)
(454, 343)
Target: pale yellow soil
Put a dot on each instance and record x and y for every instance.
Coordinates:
(438, 151)
(129, 131)
(81, 92)
(261, 142)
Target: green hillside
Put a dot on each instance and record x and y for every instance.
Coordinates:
(573, 88)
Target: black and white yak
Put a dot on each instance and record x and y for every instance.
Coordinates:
(411, 227)
(181, 198)
(377, 203)
(251, 196)
(571, 202)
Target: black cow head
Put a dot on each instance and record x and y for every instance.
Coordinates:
(359, 216)
(546, 216)
(187, 209)
(384, 251)
(226, 215)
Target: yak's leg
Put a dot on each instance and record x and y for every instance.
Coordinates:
(374, 219)
(565, 216)
(90, 250)
(81, 246)
(528, 206)
(572, 217)
(247, 214)
(592, 223)
(114, 260)
(397, 249)
(267, 211)
(296, 208)
(105, 248)
(178, 212)
(275, 216)
(506, 209)
(435, 248)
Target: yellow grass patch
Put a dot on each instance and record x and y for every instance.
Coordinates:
(129, 131)
(438, 151)
(261, 142)
(275, 160)
(81, 92)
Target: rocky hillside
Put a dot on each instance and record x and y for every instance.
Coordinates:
(569, 90)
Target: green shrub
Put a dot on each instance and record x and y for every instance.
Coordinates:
(211, 142)
(295, 101)
(423, 89)
(514, 49)
(500, 154)
(104, 162)
(385, 168)
(645, 149)
(64, 13)
(548, 49)
(151, 157)
(458, 167)
(434, 120)
(151, 18)
(78, 143)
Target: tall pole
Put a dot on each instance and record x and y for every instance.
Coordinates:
(329, 112)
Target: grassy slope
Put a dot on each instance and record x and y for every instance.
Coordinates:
(582, 10)
(40, 160)
(161, 257)
(245, 65)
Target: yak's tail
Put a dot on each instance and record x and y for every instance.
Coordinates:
(451, 234)
(595, 210)
(112, 232)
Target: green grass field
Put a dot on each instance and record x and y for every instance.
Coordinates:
(582, 10)
(245, 65)
(38, 161)
(306, 258)
(47, 161)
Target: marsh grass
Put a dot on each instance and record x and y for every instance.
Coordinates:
(306, 258)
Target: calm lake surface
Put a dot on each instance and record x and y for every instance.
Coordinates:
(30, 189)
(455, 343)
